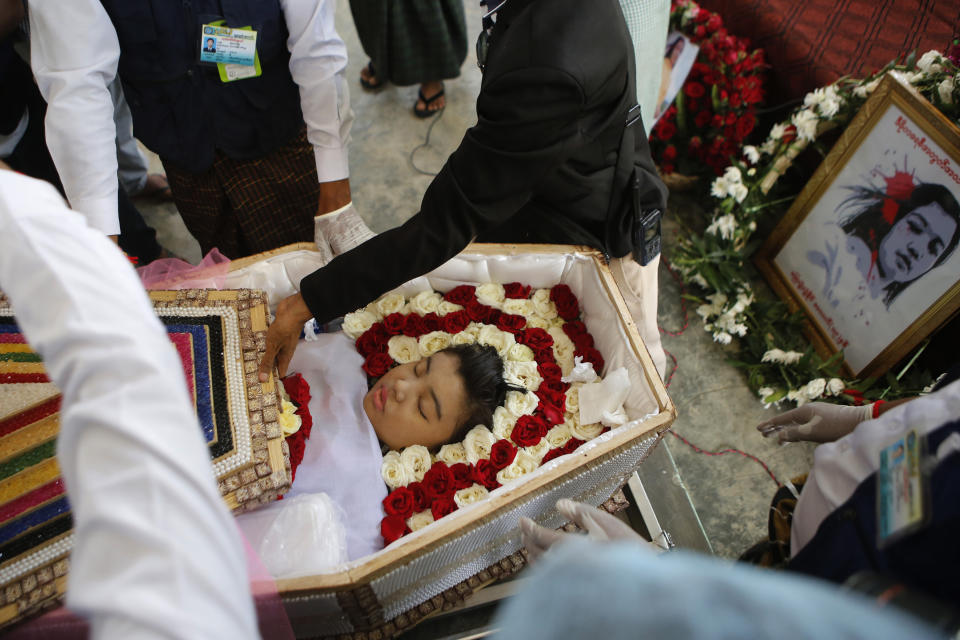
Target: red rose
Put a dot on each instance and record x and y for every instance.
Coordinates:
(431, 322)
(492, 316)
(574, 329)
(665, 130)
(462, 475)
(399, 502)
(393, 323)
(694, 89)
(536, 339)
(413, 326)
(550, 413)
(556, 386)
(528, 430)
(486, 474)
(455, 322)
(420, 499)
(745, 125)
(516, 290)
(502, 454)
(371, 341)
(567, 306)
(553, 453)
(392, 528)
(572, 445)
(715, 22)
(545, 356)
(476, 310)
(583, 342)
(377, 364)
(550, 371)
(461, 295)
(438, 481)
(702, 119)
(511, 322)
(298, 389)
(442, 506)
(670, 153)
(297, 447)
(592, 355)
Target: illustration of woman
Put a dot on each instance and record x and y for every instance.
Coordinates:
(896, 234)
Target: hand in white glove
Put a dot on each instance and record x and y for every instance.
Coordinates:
(816, 422)
(598, 524)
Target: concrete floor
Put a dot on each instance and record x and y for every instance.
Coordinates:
(716, 408)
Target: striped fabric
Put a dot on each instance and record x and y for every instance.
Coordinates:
(243, 207)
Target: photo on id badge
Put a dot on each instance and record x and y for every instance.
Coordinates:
(225, 45)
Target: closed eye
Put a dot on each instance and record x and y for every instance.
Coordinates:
(935, 246)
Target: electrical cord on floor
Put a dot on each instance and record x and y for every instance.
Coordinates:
(676, 366)
(424, 144)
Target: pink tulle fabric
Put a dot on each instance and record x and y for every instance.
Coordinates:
(174, 273)
(272, 620)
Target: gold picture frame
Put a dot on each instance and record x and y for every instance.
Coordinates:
(868, 250)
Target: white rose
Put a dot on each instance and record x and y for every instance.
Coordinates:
(491, 294)
(391, 303)
(929, 62)
(372, 309)
(425, 302)
(393, 472)
(523, 464)
(474, 329)
(538, 450)
(288, 419)
(446, 307)
(565, 360)
(522, 374)
(356, 322)
(403, 349)
(420, 519)
(432, 342)
(452, 454)
(463, 337)
(815, 388)
(835, 387)
(536, 322)
(499, 340)
(584, 431)
(519, 306)
(573, 398)
(945, 89)
(520, 353)
(521, 404)
(471, 494)
(503, 423)
(557, 323)
(558, 435)
(543, 306)
(416, 460)
(478, 442)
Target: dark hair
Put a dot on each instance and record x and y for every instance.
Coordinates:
(868, 223)
(482, 371)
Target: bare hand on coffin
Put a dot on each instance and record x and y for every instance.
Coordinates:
(599, 525)
(815, 422)
(283, 335)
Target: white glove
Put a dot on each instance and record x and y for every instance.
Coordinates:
(816, 422)
(343, 229)
(599, 525)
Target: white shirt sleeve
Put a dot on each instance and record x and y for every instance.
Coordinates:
(156, 552)
(318, 59)
(74, 53)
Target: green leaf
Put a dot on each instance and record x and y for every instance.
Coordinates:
(775, 396)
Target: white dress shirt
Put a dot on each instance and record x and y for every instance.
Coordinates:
(74, 53)
(839, 467)
(156, 552)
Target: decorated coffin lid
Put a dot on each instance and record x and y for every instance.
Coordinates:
(219, 336)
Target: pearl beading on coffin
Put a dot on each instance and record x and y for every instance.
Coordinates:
(40, 557)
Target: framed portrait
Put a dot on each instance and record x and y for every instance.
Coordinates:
(868, 250)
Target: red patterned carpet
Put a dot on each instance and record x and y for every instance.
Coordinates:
(813, 42)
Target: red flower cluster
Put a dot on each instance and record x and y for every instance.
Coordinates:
(299, 392)
(435, 492)
(715, 112)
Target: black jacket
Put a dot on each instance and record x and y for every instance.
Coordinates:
(537, 167)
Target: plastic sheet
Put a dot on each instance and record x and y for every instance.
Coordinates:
(298, 536)
(174, 273)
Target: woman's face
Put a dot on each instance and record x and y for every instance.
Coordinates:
(418, 403)
(915, 242)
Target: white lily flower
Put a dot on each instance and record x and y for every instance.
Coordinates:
(806, 123)
(752, 154)
(929, 62)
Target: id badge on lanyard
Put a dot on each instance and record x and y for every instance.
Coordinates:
(903, 504)
(233, 50)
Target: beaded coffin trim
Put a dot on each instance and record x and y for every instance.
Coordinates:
(219, 336)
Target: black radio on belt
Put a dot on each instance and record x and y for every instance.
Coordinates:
(646, 229)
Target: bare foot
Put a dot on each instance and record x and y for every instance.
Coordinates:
(368, 77)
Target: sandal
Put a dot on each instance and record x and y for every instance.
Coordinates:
(426, 112)
(371, 73)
